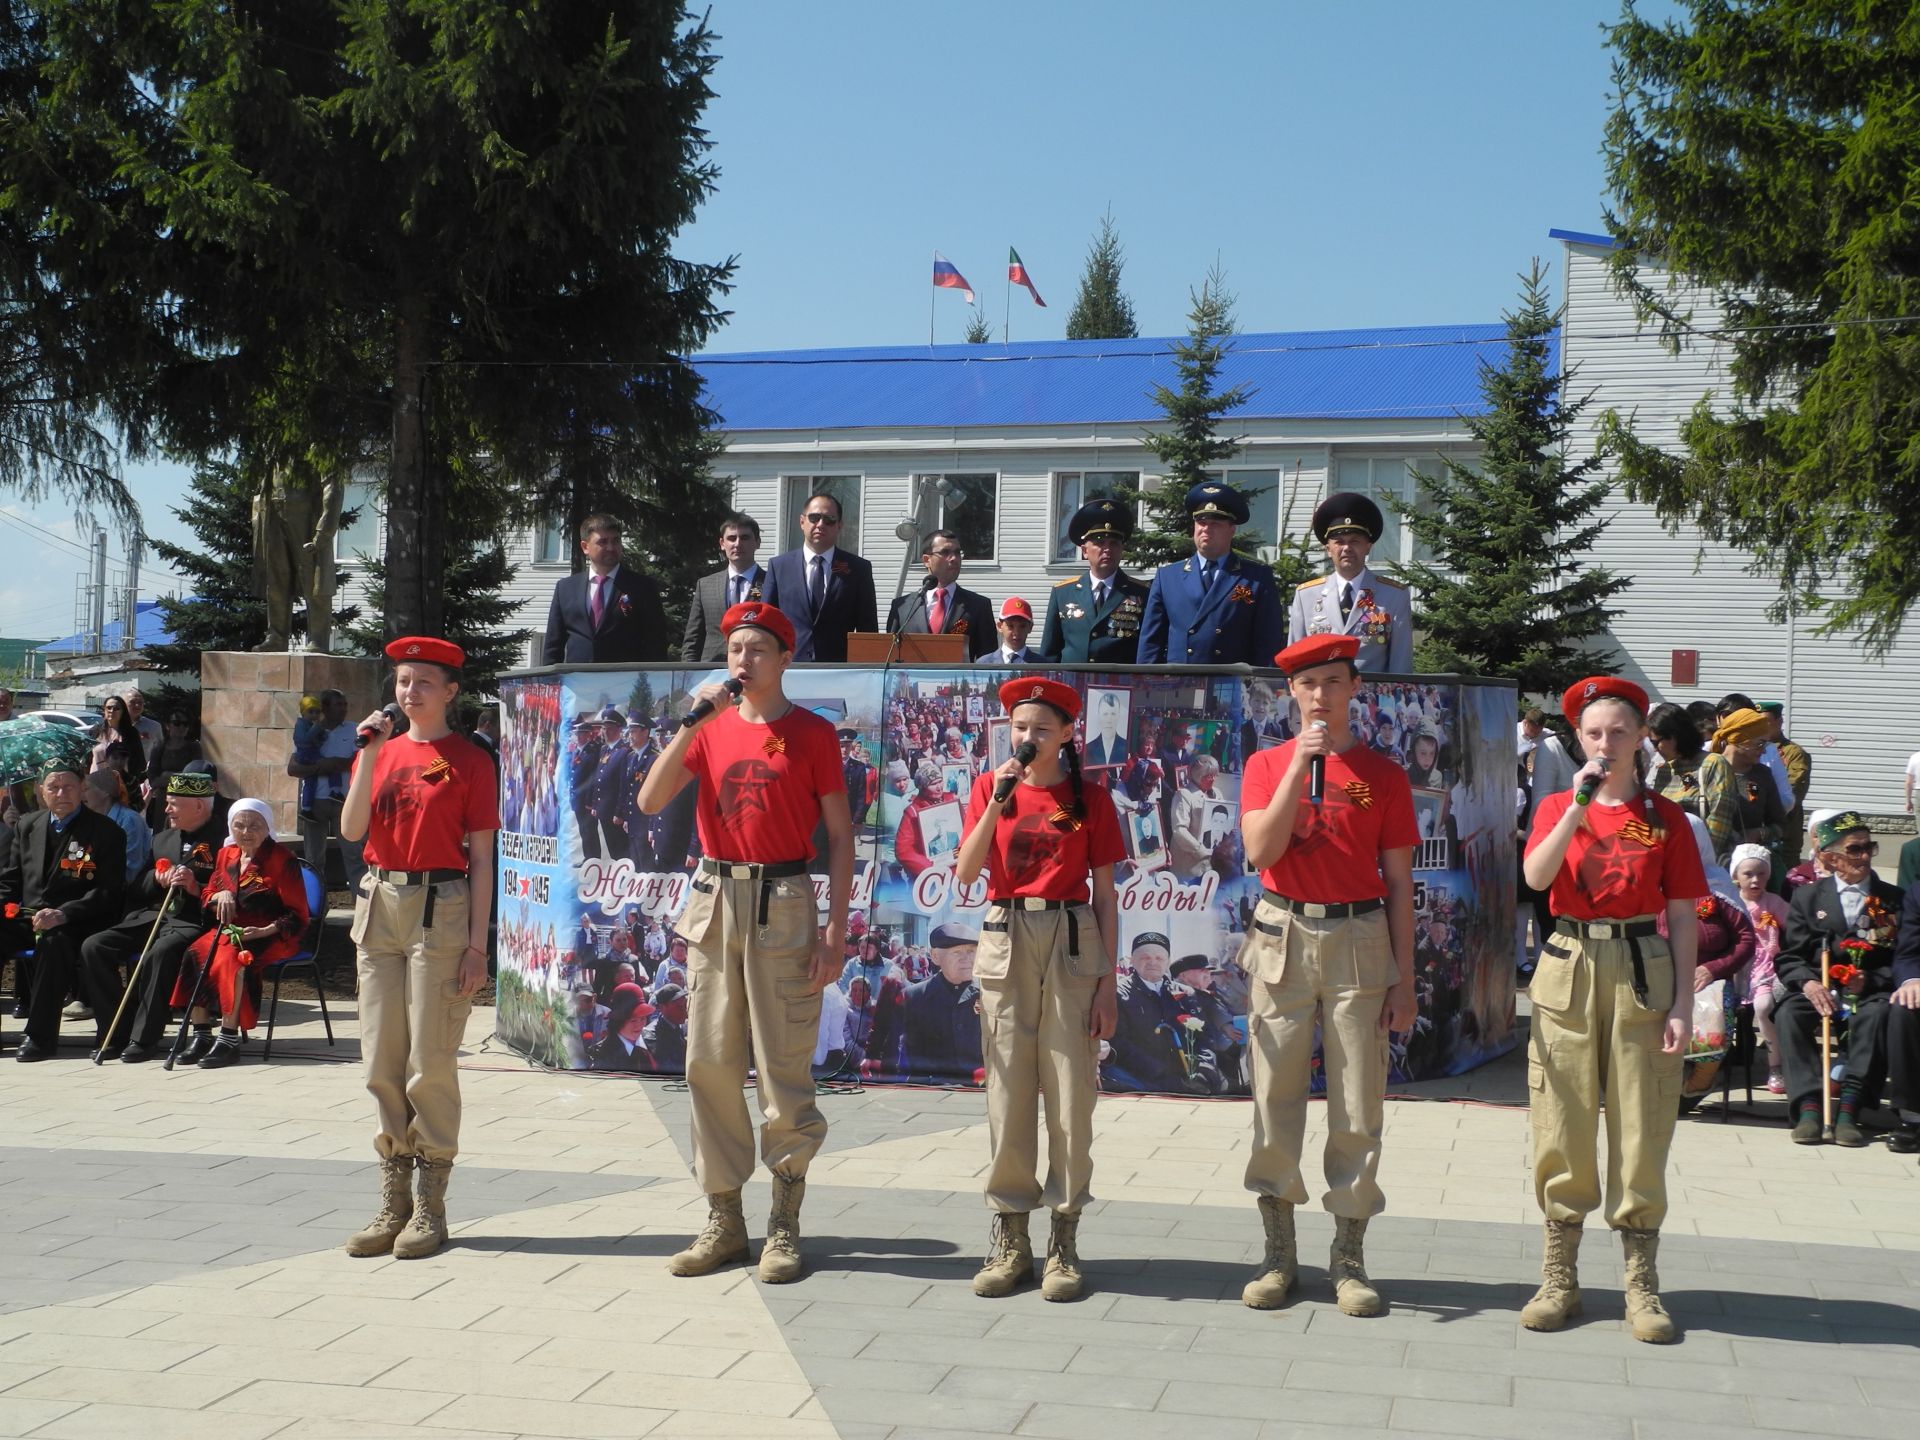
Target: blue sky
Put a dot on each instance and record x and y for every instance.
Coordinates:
(1373, 162)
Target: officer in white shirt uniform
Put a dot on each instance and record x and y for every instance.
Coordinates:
(1353, 600)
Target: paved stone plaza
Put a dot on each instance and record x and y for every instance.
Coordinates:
(170, 1265)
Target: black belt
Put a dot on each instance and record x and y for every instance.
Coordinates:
(429, 878)
(742, 870)
(1313, 910)
(1631, 931)
(1031, 902)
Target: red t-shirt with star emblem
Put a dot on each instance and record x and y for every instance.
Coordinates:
(1334, 855)
(760, 785)
(1618, 865)
(1035, 855)
(428, 796)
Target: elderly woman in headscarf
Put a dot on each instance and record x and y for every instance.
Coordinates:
(1742, 737)
(1752, 869)
(1693, 777)
(1726, 948)
(259, 901)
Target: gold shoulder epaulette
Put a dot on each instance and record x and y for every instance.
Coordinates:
(1310, 584)
(1389, 580)
(1063, 584)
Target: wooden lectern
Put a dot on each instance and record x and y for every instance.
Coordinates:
(868, 648)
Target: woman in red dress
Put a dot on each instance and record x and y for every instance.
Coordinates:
(257, 890)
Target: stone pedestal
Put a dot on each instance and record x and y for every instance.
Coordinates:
(248, 705)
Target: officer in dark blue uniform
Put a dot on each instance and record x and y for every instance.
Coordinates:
(1215, 607)
(586, 769)
(1095, 617)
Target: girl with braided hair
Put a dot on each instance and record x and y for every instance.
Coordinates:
(1045, 971)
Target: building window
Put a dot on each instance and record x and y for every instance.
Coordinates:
(1267, 502)
(550, 543)
(359, 538)
(794, 490)
(1074, 488)
(1383, 478)
(969, 506)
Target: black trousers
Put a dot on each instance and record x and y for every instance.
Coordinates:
(55, 970)
(107, 953)
(1882, 1049)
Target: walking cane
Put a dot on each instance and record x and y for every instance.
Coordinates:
(160, 868)
(193, 1003)
(1826, 1045)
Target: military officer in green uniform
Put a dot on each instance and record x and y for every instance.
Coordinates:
(1095, 618)
(1354, 600)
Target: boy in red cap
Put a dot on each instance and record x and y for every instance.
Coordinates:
(1612, 1002)
(1015, 625)
(768, 773)
(1332, 940)
(427, 802)
(1045, 971)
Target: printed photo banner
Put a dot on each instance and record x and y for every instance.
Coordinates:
(593, 976)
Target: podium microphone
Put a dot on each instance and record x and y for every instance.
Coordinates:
(731, 685)
(1584, 795)
(1317, 773)
(394, 714)
(1004, 787)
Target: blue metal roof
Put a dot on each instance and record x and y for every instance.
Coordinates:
(148, 629)
(1409, 373)
(1580, 237)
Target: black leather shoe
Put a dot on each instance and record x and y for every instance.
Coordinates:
(1847, 1132)
(223, 1054)
(1905, 1140)
(19, 1011)
(197, 1048)
(1807, 1130)
(30, 1052)
(138, 1054)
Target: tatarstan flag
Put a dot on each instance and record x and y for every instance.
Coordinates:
(946, 277)
(1017, 274)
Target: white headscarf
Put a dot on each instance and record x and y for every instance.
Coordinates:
(249, 807)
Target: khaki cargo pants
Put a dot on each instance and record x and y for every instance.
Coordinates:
(1595, 1044)
(748, 984)
(1036, 997)
(1334, 971)
(412, 1016)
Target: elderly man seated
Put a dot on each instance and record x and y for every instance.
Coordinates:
(1855, 917)
(189, 846)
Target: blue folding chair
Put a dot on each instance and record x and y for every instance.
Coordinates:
(306, 955)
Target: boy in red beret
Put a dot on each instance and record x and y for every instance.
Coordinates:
(768, 772)
(1332, 942)
(427, 802)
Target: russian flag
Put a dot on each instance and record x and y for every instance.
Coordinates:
(946, 277)
(1017, 275)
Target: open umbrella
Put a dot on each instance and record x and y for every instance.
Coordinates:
(27, 747)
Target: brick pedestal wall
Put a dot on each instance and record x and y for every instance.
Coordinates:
(248, 705)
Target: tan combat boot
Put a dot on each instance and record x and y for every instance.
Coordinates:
(1061, 1278)
(723, 1242)
(1268, 1289)
(1647, 1318)
(396, 1208)
(1558, 1298)
(1009, 1263)
(1347, 1267)
(426, 1232)
(780, 1257)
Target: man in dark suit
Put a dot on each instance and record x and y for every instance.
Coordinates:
(943, 1010)
(825, 591)
(1215, 607)
(666, 1032)
(1149, 1040)
(1108, 742)
(190, 844)
(62, 877)
(1095, 617)
(1848, 903)
(735, 583)
(942, 606)
(609, 613)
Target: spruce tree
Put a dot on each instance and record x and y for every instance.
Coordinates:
(979, 329)
(1190, 445)
(1508, 591)
(1102, 311)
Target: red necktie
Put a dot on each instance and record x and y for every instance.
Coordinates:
(597, 606)
(937, 610)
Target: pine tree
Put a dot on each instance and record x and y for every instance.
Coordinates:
(1191, 444)
(1102, 311)
(1508, 592)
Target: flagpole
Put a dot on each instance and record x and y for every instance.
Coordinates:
(1006, 319)
(932, 290)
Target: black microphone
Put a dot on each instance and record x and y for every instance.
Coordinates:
(1317, 774)
(1584, 795)
(700, 712)
(1024, 755)
(393, 712)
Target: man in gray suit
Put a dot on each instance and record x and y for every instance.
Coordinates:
(1353, 600)
(740, 581)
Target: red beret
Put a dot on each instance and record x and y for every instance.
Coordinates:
(424, 647)
(1316, 650)
(1029, 688)
(760, 616)
(1583, 693)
